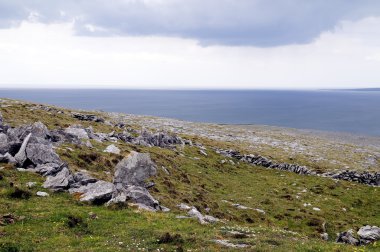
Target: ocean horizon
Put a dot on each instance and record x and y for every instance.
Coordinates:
(351, 111)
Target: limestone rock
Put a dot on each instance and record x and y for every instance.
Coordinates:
(134, 170)
(21, 154)
(369, 233)
(98, 192)
(48, 169)
(4, 144)
(347, 237)
(112, 149)
(42, 154)
(77, 131)
(61, 181)
(42, 194)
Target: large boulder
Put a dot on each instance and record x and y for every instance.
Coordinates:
(60, 182)
(348, 238)
(134, 170)
(369, 234)
(97, 193)
(48, 169)
(42, 154)
(7, 158)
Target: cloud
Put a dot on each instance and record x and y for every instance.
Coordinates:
(262, 23)
(35, 54)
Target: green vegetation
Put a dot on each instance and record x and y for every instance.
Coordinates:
(61, 223)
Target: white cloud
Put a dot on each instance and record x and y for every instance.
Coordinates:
(42, 55)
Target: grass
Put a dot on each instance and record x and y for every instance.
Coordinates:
(46, 224)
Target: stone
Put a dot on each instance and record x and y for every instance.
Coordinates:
(183, 206)
(369, 233)
(38, 129)
(325, 236)
(134, 170)
(97, 193)
(4, 144)
(42, 154)
(42, 194)
(48, 169)
(210, 219)
(196, 214)
(82, 179)
(31, 184)
(228, 244)
(87, 117)
(60, 182)
(140, 195)
(347, 237)
(77, 131)
(112, 149)
(7, 158)
(21, 154)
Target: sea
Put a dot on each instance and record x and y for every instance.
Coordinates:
(356, 112)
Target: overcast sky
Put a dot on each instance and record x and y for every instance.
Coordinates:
(180, 44)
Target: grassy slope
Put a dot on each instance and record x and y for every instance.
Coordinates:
(202, 183)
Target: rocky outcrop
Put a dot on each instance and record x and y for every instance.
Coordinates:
(98, 193)
(365, 235)
(87, 117)
(60, 181)
(265, 162)
(363, 178)
(112, 149)
(78, 131)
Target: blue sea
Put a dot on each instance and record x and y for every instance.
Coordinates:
(355, 112)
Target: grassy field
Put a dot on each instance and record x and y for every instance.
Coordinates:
(61, 223)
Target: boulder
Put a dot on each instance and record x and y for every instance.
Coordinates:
(7, 158)
(60, 136)
(348, 238)
(134, 170)
(4, 144)
(369, 234)
(21, 154)
(42, 194)
(87, 117)
(77, 131)
(42, 154)
(60, 182)
(97, 193)
(82, 179)
(48, 169)
(112, 149)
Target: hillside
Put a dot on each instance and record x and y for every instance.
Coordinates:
(202, 187)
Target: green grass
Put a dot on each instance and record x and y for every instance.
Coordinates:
(203, 182)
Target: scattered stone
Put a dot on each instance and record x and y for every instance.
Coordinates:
(369, 234)
(325, 236)
(31, 184)
(226, 243)
(183, 206)
(77, 131)
(42, 194)
(347, 237)
(201, 219)
(87, 117)
(112, 149)
(316, 209)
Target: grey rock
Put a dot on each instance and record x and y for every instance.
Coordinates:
(97, 193)
(42, 194)
(77, 131)
(82, 179)
(228, 244)
(183, 206)
(4, 143)
(48, 169)
(7, 158)
(21, 154)
(134, 170)
(60, 182)
(347, 237)
(87, 117)
(31, 184)
(112, 149)
(61, 136)
(196, 214)
(42, 154)
(325, 236)
(369, 233)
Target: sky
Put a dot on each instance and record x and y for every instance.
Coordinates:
(190, 44)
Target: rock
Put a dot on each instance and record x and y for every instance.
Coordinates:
(347, 237)
(4, 144)
(60, 136)
(77, 131)
(82, 179)
(42, 194)
(226, 243)
(31, 184)
(87, 117)
(134, 170)
(1, 120)
(112, 149)
(7, 158)
(196, 214)
(325, 236)
(38, 129)
(48, 169)
(97, 193)
(21, 154)
(203, 152)
(136, 194)
(40, 154)
(210, 219)
(61, 181)
(316, 209)
(183, 206)
(369, 233)
(161, 139)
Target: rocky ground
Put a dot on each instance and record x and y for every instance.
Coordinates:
(107, 181)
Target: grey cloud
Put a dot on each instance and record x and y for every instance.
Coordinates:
(261, 23)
